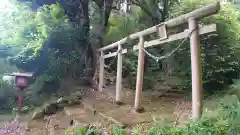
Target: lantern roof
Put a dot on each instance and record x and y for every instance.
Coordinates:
(27, 74)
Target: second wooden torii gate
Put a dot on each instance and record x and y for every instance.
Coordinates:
(194, 32)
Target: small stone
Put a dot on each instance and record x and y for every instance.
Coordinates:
(86, 125)
(138, 110)
(77, 95)
(118, 103)
(38, 114)
(60, 100)
(51, 108)
(74, 101)
(69, 102)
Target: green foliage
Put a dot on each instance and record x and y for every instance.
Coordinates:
(30, 35)
(136, 132)
(38, 84)
(46, 39)
(29, 30)
(123, 25)
(116, 130)
(7, 96)
(83, 131)
(6, 90)
(219, 53)
(224, 120)
(235, 89)
(32, 32)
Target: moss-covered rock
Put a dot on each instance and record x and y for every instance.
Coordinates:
(59, 104)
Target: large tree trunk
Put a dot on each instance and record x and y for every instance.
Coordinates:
(105, 8)
(78, 14)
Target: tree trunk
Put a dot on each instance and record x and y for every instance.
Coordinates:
(158, 16)
(105, 7)
(78, 14)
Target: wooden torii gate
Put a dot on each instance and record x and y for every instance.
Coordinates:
(163, 31)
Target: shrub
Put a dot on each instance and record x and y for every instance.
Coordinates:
(219, 54)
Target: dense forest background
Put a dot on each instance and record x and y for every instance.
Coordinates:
(57, 41)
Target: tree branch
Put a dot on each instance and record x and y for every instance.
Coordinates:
(138, 3)
(99, 2)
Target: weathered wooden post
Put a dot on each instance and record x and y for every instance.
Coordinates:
(101, 72)
(139, 75)
(197, 92)
(119, 76)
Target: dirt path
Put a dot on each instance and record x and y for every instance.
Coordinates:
(158, 105)
(99, 110)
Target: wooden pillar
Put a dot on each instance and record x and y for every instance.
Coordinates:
(20, 98)
(140, 71)
(119, 76)
(197, 92)
(101, 72)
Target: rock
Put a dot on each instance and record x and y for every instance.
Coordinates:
(51, 108)
(62, 102)
(74, 101)
(48, 109)
(38, 114)
(78, 95)
(14, 111)
(75, 98)
(59, 104)
(25, 109)
(62, 105)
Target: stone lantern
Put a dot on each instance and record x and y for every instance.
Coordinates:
(21, 82)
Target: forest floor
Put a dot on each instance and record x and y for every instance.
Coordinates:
(163, 105)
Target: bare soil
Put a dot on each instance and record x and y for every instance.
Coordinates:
(101, 111)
